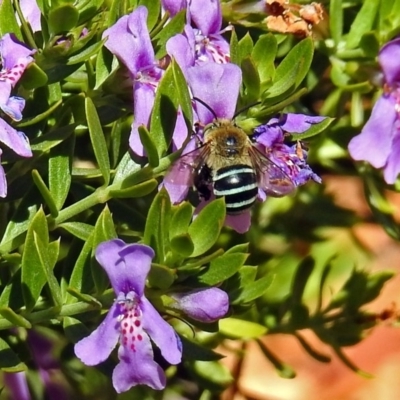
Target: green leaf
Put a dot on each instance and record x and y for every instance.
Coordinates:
(174, 26)
(33, 77)
(34, 274)
(182, 244)
(205, 229)
(156, 232)
(212, 375)
(125, 168)
(16, 319)
(336, 20)
(98, 140)
(78, 229)
(9, 361)
(234, 49)
(62, 19)
(45, 192)
(8, 22)
(160, 276)
(55, 137)
(81, 279)
(251, 80)
(300, 279)
(181, 217)
(194, 351)
(363, 23)
(183, 95)
(172, 92)
(149, 146)
(60, 168)
(254, 290)
(104, 230)
(85, 54)
(245, 47)
(139, 190)
(263, 54)
(222, 268)
(299, 59)
(240, 329)
(153, 8)
(381, 208)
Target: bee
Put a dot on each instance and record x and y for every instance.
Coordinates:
(228, 164)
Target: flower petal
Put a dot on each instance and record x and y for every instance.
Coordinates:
(31, 12)
(298, 122)
(205, 305)
(127, 265)
(240, 223)
(392, 168)
(374, 143)
(218, 86)
(389, 59)
(14, 52)
(161, 333)
(180, 48)
(143, 105)
(96, 347)
(129, 36)
(137, 367)
(206, 15)
(17, 384)
(13, 107)
(15, 140)
(173, 6)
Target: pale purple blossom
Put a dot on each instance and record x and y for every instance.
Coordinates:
(379, 140)
(31, 13)
(291, 159)
(132, 320)
(17, 385)
(129, 40)
(204, 305)
(15, 58)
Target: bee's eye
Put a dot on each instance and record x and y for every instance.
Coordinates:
(231, 141)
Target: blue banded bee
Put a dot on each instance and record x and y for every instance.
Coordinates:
(228, 164)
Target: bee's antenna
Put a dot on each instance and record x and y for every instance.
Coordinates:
(206, 106)
(245, 108)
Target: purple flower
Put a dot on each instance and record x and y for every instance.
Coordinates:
(129, 40)
(203, 42)
(15, 58)
(131, 319)
(218, 86)
(49, 368)
(204, 305)
(173, 6)
(379, 141)
(32, 14)
(290, 159)
(17, 385)
(210, 45)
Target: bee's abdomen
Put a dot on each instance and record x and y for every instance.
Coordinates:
(238, 184)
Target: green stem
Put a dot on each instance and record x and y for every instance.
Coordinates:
(100, 196)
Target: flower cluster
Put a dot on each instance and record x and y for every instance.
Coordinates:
(133, 321)
(15, 58)
(203, 56)
(379, 141)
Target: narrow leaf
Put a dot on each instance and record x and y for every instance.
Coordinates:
(98, 140)
(205, 229)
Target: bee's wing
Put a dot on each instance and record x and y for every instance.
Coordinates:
(272, 179)
(184, 169)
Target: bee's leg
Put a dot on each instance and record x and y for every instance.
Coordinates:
(202, 181)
